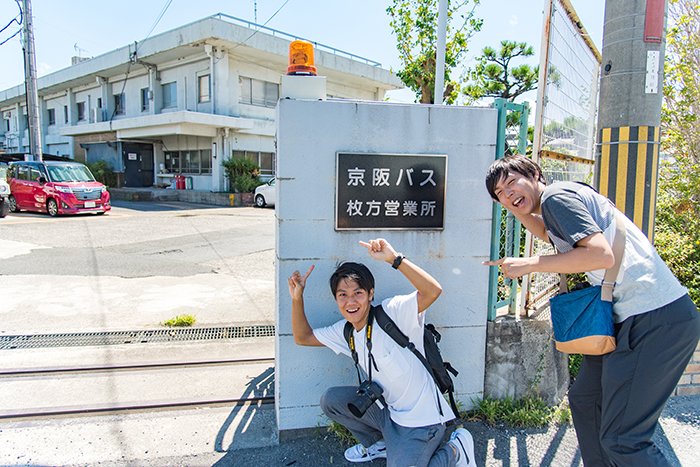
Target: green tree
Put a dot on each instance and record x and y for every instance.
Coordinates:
(677, 233)
(495, 76)
(414, 23)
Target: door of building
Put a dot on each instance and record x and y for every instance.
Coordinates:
(138, 164)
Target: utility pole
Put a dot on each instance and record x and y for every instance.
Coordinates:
(629, 107)
(31, 91)
(439, 90)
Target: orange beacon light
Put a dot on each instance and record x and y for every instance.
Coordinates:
(301, 58)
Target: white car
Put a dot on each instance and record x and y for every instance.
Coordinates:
(265, 194)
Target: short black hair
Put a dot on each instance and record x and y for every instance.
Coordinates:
(517, 163)
(357, 272)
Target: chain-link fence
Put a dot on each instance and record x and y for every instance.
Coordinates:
(564, 138)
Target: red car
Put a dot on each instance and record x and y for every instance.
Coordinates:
(55, 188)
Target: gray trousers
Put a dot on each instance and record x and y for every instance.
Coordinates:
(404, 446)
(617, 398)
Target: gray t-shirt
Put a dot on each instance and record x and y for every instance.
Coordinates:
(572, 211)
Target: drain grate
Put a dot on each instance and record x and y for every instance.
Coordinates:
(78, 339)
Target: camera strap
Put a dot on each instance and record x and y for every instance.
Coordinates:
(350, 338)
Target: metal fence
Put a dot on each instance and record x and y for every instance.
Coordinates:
(568, 85)
(506, 232)
(564, 137)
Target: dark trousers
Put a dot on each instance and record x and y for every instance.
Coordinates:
(617, 398)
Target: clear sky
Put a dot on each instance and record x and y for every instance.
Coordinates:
(64, 28)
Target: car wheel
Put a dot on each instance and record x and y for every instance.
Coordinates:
(12, 202)
(260, 201)
(52, 208)
(4, 208)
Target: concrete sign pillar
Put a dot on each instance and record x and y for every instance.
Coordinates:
(310, 134)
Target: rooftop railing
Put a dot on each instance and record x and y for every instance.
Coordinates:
(274, 32)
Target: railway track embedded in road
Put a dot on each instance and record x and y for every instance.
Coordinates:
(36, 375)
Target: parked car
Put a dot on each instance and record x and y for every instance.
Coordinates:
(56, 188)
(4, 191)
(265, 194)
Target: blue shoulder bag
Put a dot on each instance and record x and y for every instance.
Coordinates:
(582, 320)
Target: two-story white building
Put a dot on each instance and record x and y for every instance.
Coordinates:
(180, 102)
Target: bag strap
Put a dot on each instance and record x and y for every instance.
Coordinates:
(389, 326)
(618, 249)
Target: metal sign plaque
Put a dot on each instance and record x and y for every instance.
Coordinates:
(390, 191)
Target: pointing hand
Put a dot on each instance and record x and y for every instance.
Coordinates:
(297, 282)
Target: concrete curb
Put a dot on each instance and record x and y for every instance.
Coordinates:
(185, 196)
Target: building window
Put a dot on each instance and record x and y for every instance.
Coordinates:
(204, 88)
(195, 161)
(65, 114)
(119, 104)
(80, 107)
(265, 160)
(99, 102)
(52, 116)
(169, 95)
(257, 92)
(144, 99)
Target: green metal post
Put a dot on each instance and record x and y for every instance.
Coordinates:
(500, 105)
(513, 227)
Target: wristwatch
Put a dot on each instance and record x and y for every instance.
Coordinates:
(397, 260)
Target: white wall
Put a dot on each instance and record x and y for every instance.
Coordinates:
(309, 135)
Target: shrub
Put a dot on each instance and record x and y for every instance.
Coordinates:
(103, 172)
(242, 174)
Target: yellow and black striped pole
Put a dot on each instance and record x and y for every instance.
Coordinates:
(629, 107)
(627, 168)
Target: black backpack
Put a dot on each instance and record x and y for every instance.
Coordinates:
(437, 368)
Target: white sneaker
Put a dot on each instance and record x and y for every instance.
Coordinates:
(463, 441)
(359, 453)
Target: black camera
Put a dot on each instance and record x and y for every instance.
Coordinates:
(367, 394)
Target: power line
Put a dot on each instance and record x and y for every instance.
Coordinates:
(162, 13)
(14, 20)
(264, 24)
(134, 56)
(9, 38)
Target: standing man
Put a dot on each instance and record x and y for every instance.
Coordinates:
(617, 398)
(397, 412)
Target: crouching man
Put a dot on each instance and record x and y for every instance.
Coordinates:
(397, 411)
